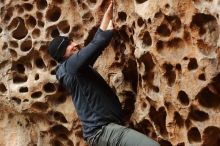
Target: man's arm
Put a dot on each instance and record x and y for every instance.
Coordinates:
(107, 19)
(90, 53)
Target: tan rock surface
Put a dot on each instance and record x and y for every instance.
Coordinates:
(163, 62)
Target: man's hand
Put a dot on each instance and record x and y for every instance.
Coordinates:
(110, 25)
(107, 17)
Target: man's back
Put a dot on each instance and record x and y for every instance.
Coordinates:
(95, 102)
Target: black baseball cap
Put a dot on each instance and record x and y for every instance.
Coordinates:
(57, 47)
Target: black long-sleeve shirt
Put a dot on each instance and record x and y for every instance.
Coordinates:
(95, 102)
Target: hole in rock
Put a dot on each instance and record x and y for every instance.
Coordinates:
(192, 64)
(55, 33)
(215, 84)
(129, 106)
(58, 1)
(93, 1)
(23, 89)
(144, 127)
(163, 142)
(25, 100)
(36, 33)
(147, 39)
(198, 115)
(0, 30)
(21, 31)
(56, 142)
(64, 26)
(183, 98)
(130, 73)
(36, 94)
(149, 20)
(178, 119)
(20, 9)
(202, 77)
(87, 17)
(123, 33)
(41, 4)
(20, 68)
(178, 67)
(59, 117)
(13, 44)
(31, 21)
(59, 129)
(122, 16)
(5, 46)
(158, 14)
(3, 87)
(170, 75)
(53, 72)
(36, 77)
(167, 6)
(208, 99)
(159, 118)
(61, 99)
(156, 89)
(39, 15)
(211, 136)
(140, 1)
(84, 6)
(200, 19)
(160, 45)
(19, 78)
(40, 23)
(140, 22)
(194, 135)
(27, 6)
(3, 64)
(40, 63)
(53, 13)
(9, 14)
(13, 53)
(176, 43)
(187, 36)
(13, 24)
(49, 87)
(163, 30)
(181, 144)
(148, 61)
(40, 106)
(26, 45)
(175, 22)
(17, 100)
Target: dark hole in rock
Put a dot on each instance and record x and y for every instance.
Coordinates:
(198, 115)
(183, 98)
(49, 87)
(163, 30)
(36, 94)
(122, 16)
(53, 13)
(41, 4)
(194, 135)
(3, 88)
(192, 64)
(23, 89)
(211, 136)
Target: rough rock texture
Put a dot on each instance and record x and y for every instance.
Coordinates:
(163, 62)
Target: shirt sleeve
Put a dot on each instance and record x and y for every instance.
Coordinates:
(90, 53)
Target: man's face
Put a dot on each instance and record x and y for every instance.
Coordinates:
(70, 50)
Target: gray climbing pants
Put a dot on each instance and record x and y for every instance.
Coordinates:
(117, 135)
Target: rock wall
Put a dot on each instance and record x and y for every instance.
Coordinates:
(163, 64)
